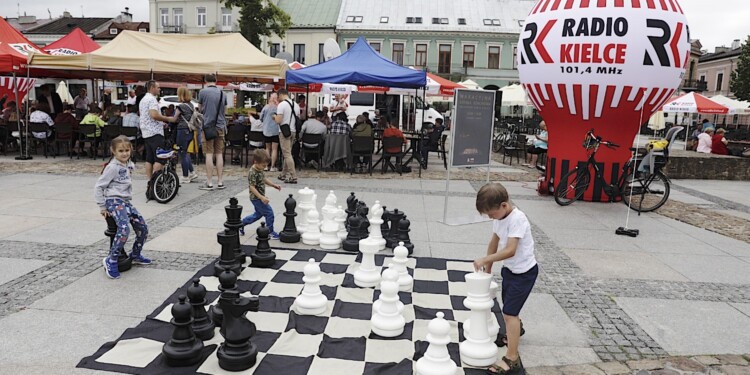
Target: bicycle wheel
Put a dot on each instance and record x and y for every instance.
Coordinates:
(164, 185)
(646, 195)
(497, 144)
(572, 186)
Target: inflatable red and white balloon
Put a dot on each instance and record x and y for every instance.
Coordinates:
(605, 65)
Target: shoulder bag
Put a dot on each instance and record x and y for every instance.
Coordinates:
(286, 130)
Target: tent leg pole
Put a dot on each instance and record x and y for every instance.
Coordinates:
(24, 155)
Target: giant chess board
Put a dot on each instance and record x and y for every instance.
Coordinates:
(337, 342)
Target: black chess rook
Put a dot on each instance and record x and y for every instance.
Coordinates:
(391, 240)
(237, 352)
(263, 257)
(233, 225)
(229, 291)
(228, 259)
(290, 234)
(183, 349)
(202, 324)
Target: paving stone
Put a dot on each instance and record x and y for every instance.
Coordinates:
(543, 370)
(613, 368)
(581, 370)
(707, 360)
(645, 364)
(734, 370)
(732, 359)
(665, 371)
(684, 364)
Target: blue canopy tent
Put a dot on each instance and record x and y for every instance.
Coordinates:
(360, 65)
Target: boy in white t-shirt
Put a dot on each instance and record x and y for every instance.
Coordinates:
(511, 243)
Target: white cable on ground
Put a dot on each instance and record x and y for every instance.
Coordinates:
(635, 168)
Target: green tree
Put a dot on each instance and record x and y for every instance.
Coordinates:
(260, 18)
(740, 82)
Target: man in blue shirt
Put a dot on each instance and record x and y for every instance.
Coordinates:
(213, 104)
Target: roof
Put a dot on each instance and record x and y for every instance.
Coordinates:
(26, 22)
(75, 43)
(509, 13)
(121, 26)
(14, 48)
(721, 55)
(64, 25)
(318, 14)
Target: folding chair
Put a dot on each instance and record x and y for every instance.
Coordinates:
(63, 134)
(312, 139)
(39, 127)
(392, 143)
(235, 139)
(363, 146)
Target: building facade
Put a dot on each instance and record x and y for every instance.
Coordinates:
(453, 39)
(192, 17)
(716, 69)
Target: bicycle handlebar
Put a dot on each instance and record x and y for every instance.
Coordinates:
(609, 144)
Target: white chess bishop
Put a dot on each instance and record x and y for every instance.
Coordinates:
(311, 301)
(388, 319)
(305, 203)
(437, 360)
(376, 236)
(478, 349)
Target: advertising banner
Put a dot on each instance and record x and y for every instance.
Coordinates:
(605, 65)
(472, 126)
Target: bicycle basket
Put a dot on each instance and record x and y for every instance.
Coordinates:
(589, 142)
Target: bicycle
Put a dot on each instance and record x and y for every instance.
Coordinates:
(504, 138)
(641, 193)
(165, 183)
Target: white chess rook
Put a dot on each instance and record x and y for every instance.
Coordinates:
(388, 319)
(493, 328)
(311, 301)
(312, 233)
(306, 203)
(478, 349)
(437, 360)
(400, 258)
(368, 274)
(375, 221)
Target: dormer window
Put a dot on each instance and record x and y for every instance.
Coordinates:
(443, 21)
(462, 21)
(383, 19)
(418, 20)
(409, 19)
(113, 31)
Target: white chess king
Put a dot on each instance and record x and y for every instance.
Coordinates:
(478, 349)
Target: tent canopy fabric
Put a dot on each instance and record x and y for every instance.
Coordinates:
(695, 103)
(14, 49)
(515, 95)
(360, 65)
(735, 106)
(471, 85)
(169, 57)
(657, 121)
(75, 43)
(447, 88)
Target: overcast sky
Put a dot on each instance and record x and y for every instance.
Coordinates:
(715, 23)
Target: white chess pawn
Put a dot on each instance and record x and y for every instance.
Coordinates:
(478, 349)
(368, 274)
(493, 328)
(329, 238)
(306, 202)
(312, 234)
(375, 221)
(400, 258)
(311, 301)
(437, 360)
(388, 320)
(389, 274)
(340, 219)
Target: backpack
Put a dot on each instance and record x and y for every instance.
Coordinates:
(196, 121)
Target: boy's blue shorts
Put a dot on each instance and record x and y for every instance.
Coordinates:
(516, 289)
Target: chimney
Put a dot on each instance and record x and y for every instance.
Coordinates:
(721, 49)
(736, 44)
(66, 14)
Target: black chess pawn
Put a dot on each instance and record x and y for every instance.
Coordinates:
(228, 259)
(229, 291)
(124, 262)
(263, 256)
(237, 352)
(384, 228)
(403, 234)
(351, 208)
(290, 234)
(183, 349)
(233, 225)
(351, 243)
(391, 240)
(202, 324)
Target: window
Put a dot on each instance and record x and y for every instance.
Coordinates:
(444, 58)
(398, 53)
(226, 17)
(383, 19)
(113, 31)
(462, 21)
(436, 21)
(443, 21)
(487, 22)
(469, 56)
(719, 81)
(164, 19)
(177, 16)
(375, 46)
(703, 78)
(201, 16)
(321, 53)
(420, 57)
(361, 99)
(349, 18)
(417, 19)
(349, 45)
(493, 57)
(515, 54)
(275, 49)
(299, 53)
(142, 30)
(409, 19)
(354, 19)
(495, 22)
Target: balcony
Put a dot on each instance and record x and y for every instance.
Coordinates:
(234, 28)
(691, 85)
(173, 29)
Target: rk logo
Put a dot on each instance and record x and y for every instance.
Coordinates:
(665, 44)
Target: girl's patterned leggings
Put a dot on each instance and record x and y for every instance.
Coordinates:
(123, 212)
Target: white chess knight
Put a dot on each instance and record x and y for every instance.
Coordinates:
(400, 258)
(437, 360)
(479, 348)
(306, 202)
(312, 234)
(311, 301)
(340, 219)
(368, 274)
(493, 328)
(388, 319)
(376, 236)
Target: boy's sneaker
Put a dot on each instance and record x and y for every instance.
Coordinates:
(140, 259)
(111, 269)
(274, 236)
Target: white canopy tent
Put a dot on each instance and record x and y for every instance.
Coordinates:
(736, 107)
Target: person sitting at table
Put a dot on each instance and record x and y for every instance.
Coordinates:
(94, 117)
(115, 117)
(392, 130)
(539, 146)
(719, 143)
(340, 125)
(41, 114)
(66, 117)
(705, 141)
(312, 126)
(362, 128)
(326, 118)
(430, 141)
(693, 142)
(9, 111)
(256, 125)
(131, 119)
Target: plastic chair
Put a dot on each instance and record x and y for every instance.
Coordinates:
(392, 143)
(235, 139)
(87, 133)
(312, 139)
(39, 127)
(63, 135)
(363, 146)
(255, 136)
(109, 132)
(516, 148)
